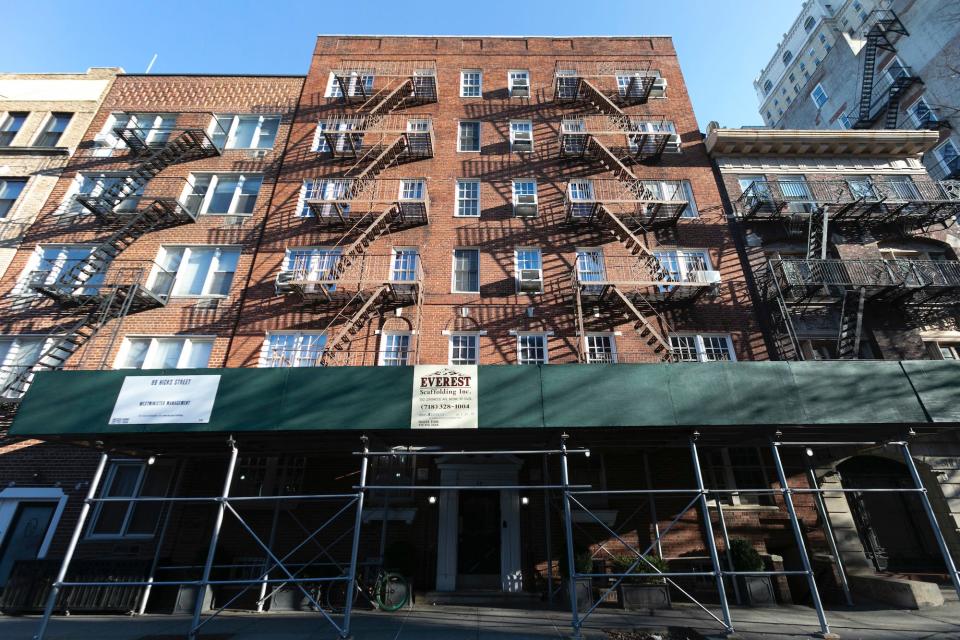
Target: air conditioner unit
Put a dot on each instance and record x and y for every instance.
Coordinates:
(257, 154)
(525, 206)
(520, 89)
(522, 141)
(530, 281)
(705, 277)
(673, 143)
(283, 280)
(659, 88)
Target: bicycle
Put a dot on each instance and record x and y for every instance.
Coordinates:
(385, 590)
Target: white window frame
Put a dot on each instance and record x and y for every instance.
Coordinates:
(683, 256)
(912, 111)
(10, 359)
(464, 85)
(700, 345)
(515, 195)
(607, 335)
(382, 350)
(13, 201)
(307, 346)
(515, 74)
(70, 206)
(231, 129)
(47, 123)
(7, 121)
(203, 209)
(333, 87)
(400, 270)
(473, 336)
(813, 96)
(458, 198)
(521, 126)
(453, 270)
(517, 269)
(460, 148)
(57, 267)
(185, 354)
(533, 334)
(412, 190)
(219, 250)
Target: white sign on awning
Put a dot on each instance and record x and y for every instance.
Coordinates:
(165, 400)
(444, 397)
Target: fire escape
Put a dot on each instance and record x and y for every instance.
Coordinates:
(815, 291)
(882, 95)
(360, 206)
(625, 207)
(99, 288)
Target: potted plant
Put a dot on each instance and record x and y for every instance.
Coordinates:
(757, 589)
(583, 562)
(643, 588)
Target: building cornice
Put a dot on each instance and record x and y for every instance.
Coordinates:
(812, 142)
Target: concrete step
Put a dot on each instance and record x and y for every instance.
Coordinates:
(480, 598)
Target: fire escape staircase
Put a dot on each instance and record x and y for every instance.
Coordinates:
(851, 323)
(880, 37)
(645, 328)
(340, 342)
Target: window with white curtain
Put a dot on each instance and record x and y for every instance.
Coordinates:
(293, 349)
(194, 271)
(222, 193)
(164, 353)
(244, 131)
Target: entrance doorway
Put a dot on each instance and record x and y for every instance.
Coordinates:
(478, 542)
(893, 527)
(28, 529)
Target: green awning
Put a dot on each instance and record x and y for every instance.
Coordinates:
(72, 403)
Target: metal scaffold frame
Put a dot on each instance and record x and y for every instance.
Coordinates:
(571, 497)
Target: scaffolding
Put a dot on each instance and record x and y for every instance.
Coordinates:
(574, 500)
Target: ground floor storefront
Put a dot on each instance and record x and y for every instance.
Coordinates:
(620, 503)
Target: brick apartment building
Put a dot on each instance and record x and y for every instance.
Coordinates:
(457, 202)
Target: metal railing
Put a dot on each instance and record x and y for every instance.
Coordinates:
(62, 278)
(631, 272)
(348, 136)
(319, 357)
(866, 273)
(346, 191)
(350, 273)
(178, 194)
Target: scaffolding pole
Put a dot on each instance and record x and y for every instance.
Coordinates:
(728, 553)
(801, 545)
(358, 522)
(828, 530)
(160, 539)
(568, 527)
(71, 548)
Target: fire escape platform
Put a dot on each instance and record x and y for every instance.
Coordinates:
(633, 204)
(352, 137)
(345, 202)
(625, 136)
(623, 82)
(340, 280)
(417, 80)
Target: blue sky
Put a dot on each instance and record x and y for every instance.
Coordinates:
(722, 44)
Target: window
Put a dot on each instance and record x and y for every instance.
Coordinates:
(222, 193)
(164, 353)
(531, 348)
(518, 83)
(948, 350)
(194, 271)
(467, 199)
(600, 349)
(10, 126)
(466, 271)
(672, 190)
(818, 95)
(738, 468)
(53, 129)
(152, 129)
(10, 190)
(313, 265)
(631, 83)
(767, 87)
(580, 193)
(921, 115)
(469, 136)
(394, 349)
(293, 349)
(809, 24)
(463, 348)
(412, 190)
(521, 135)
(17, 355)
(529, 270)
(404, 264)
(104, 187)
(131, 519)
(948, 160)
(590, 268)
(358, 83)
(49, 263)
(787, 57)
(792, 77)
(655, 126)
(684, 265)
(244, 131)
(332, 193)
(471, 83)
(702, 348)
(525, 198)
(823, 39)
(342, 141)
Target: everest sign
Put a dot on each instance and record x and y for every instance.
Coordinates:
(444, 397)
(165, 400)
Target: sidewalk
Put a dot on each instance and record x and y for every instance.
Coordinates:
(425, 622)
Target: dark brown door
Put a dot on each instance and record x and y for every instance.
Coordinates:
(478, 549)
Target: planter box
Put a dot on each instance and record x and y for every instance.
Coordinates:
(757, 591)
(644, 596)
(290, 599)
(584, 587)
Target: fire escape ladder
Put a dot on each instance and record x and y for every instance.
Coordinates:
(390, 100)
(644, 327)
(598, 99)
(817, 233)
(630, 240)
(611, 162)
(869, 72)
(357, 320)
(897, 89)
(581, 332)
(373, 163)
(785, 334)
(851, 324)
(356, 249)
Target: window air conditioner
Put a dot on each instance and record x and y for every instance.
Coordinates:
(530, 280)
(525, 206)
(705, 277)
(522, 141)
(673, 143)
(282, 283)
(659, 88)
(521, 88)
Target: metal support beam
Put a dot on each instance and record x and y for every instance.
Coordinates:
(937, 532)
(828, 530)
(728, 553)
(160, 538)
(548, 533)
(568, 527)
(801, 546)
(358, 522)
(71, 548)
(214, 536)
(711, 542)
